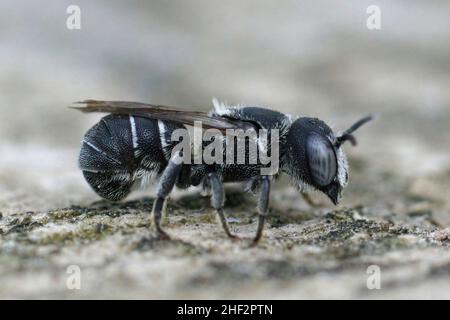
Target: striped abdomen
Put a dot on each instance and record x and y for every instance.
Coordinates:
(120, 150)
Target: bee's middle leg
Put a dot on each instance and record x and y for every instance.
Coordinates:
(218, 200)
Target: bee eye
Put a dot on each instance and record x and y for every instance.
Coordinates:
(321, 159)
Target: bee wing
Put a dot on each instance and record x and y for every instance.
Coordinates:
(158, 112)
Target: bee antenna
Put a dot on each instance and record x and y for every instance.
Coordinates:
(347, 134)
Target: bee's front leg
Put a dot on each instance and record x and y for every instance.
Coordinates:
(310, 201)
(263, 207)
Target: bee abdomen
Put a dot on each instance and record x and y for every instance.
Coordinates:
(119, 150)
(110, 185)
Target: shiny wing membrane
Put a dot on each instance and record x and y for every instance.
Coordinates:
(158, 112)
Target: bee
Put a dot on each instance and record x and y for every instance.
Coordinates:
(134, 144)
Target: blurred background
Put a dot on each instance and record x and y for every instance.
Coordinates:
(314, 58)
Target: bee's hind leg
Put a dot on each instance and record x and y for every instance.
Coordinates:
(218, 200)
(165, 186)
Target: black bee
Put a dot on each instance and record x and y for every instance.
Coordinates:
(134, 144)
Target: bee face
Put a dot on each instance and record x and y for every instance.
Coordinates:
(313, 160)
(321, 158)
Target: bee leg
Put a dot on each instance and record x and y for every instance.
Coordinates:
(165, 186)
(309, 200)
(263, 206)
(217, 201)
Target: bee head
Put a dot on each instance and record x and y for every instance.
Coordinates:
(314, 157)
